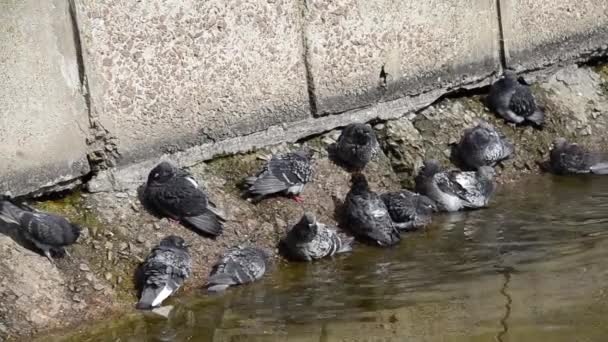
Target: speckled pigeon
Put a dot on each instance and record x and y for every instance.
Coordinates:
(239, 265)
(174, 193)
(355, 147)
(367, 216)
(310, 240)
(569, 158)
(514, 101)
(285, 173)
(46, 231)
(483, 145)
(164, 271)
(456, 190)
(409, 210)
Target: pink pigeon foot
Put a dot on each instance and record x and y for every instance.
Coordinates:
(298, 199)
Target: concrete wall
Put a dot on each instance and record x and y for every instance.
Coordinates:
(192, 79)
(43, 117)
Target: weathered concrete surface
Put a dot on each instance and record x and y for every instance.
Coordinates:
(43, 119)
(363, 52)
(170, 75)
(576, 107)
(540, 33)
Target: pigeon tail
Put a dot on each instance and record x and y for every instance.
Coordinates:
(347, 245)
(10, 212)
(538, 117)
(153, 297)
(219, 282)
(210, 222)
(599, 169)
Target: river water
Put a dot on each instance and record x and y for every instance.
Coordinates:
(534, 266)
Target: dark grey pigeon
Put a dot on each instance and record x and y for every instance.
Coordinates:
(48, 232)
(367, 216)
(286, 174)
(409, 210)
(174, 193)
(310, 240)
(514, 101)
(355, 147)
(569, 158)
(455, 190)
(239, 265)
(483, 145)
(164, 271)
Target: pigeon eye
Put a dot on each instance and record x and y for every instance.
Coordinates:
(156, 175)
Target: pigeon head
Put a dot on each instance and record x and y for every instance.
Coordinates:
(173, 241)
(486, 172)
(162, 173)
(307, 228)
(73, 233)
(305, 153)
(361, 134)
(510, 74)
(430, 167)
(559, 143)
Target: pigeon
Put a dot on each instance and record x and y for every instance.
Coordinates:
(367, 216)
(285, 173)
(514, 101)
(355, 147)
(48, 232)
(311, 240)
(409, 210)
(483, 145)
(239, 265)
(164, 271)
(455, 190)
(566, 158)
(174, 193)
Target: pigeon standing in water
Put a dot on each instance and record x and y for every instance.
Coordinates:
(569, 158)
(367, 216)
(355, 147)
(514, 101)
(310, 240)
(286, 173)
(239, 265)
(164, 271)
(48, 232)
(456, 190)
(483, 145)
(409, 210)
(174, 193)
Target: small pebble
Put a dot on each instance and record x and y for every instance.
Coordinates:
(108, 276)
(121, 195)
(140, 239)
(84, 267)
(122, 246)
(77, 298)
(97, 287)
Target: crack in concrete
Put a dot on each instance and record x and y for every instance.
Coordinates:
(502, 53)
(506, 272)
(310, 84)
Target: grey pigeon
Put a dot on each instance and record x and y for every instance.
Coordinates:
(174, 193)
(164, 271)
(46, 231)
(569, 158)
(367, 216)
(355, 147)
(409, 210)
(239, 265)
(455, 190)
(285, 173)
(514, 101)
(310, 240)
(483, 145)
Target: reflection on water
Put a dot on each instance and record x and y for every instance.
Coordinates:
(533, 266)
